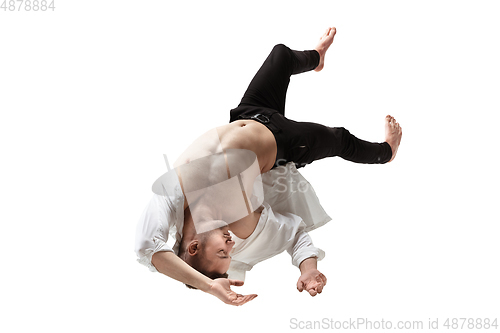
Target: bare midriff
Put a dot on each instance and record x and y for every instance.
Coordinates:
(240, 134)
(250, 135)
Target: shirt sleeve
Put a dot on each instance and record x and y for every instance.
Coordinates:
(303, 248)
(153, 229)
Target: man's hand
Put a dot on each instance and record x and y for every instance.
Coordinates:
(221, 288)
(311, 279)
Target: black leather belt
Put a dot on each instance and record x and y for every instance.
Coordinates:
(258, 117)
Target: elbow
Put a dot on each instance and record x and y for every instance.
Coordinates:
(142, 247)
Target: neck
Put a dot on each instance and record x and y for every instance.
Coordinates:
(244, 227)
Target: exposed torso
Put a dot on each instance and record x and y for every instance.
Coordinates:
(241, 134)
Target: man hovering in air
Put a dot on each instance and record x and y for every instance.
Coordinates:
(227, 204)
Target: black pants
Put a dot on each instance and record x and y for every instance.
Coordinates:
(299, 142)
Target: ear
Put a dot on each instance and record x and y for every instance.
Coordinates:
(193, 247)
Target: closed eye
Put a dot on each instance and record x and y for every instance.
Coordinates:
(224, 254)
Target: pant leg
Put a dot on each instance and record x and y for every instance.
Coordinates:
(347, 146)
(307, 142)
(269, 86)
(302, 142)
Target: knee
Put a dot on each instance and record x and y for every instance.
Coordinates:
(342, 138)
(281, 50)
(340, 133)
(280, 47)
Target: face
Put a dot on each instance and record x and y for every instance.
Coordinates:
(216, 246)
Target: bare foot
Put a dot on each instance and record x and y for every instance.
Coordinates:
(393, 134)
(324, 43)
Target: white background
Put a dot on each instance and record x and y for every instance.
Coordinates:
(93, 93)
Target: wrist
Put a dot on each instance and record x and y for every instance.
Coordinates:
(308, 264)
(205, 284)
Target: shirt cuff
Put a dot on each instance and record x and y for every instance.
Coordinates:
(309, 252)
(147, 255)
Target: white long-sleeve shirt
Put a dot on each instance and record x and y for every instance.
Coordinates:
(295, 211)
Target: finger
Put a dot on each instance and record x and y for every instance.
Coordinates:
(320, 288)
(323, 277)
(232, 300)
(242, 300)
(249, 297)
(252, 297)
(236, 282)
(245, 299)
(300, 286)
(316, 284)
(313, 292)
(239, 300)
